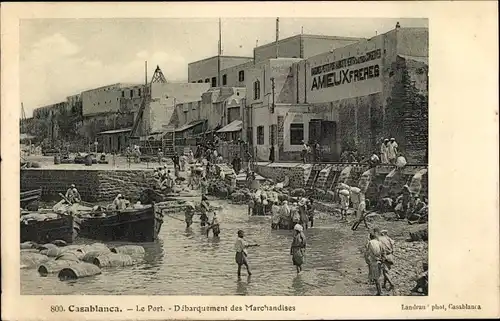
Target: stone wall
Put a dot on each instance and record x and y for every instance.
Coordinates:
(93, 185)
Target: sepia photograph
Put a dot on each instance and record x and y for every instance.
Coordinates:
(226, 156)
(249, 160)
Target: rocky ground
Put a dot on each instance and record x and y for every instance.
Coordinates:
(409, 256)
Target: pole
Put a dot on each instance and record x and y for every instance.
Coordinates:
(146, 72)
(219, 53)
(277, 35)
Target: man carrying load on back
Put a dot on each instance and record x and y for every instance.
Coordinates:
(73, 195)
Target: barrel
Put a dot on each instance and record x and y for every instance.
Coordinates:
(52, 252)
(51, 267)
(90, 256)
(133, 250)
(59, 243)
(113, 260)
(88, 160)
(46, 246)
(78, 271)
(70, 256)
(29, 245)
(31, 260)
(57, 160)
(96, 247)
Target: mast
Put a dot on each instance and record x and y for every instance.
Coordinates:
(277, 35)
(219, 82)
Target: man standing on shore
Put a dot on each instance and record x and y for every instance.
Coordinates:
(373, 257)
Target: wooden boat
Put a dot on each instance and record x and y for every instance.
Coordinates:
(30, 197)
(45, 228)
(132, 225)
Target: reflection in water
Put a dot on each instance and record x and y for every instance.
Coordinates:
(186, 262)
(298, 285)
(242, 286)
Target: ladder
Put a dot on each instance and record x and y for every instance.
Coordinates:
(169, 142)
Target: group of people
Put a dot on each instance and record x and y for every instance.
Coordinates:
(297, 250)
(379, 256)
(285, 216)
(389, 151)
(163, 177)
(310, 152)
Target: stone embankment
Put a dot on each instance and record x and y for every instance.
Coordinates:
(93, 185)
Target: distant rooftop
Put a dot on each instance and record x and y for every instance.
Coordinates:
(222, 56)
(310, 36)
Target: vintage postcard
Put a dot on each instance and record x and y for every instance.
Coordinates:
(249, 160)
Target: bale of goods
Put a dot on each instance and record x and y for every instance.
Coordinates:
(345, 174)
(133, 250)
(51, 267)
(32, 260)
(344, 192)
(59, 243)
(29, 245)
(113, 260)
(416, 182)
(298, 192)
(90, 256)
(30, 251)
(238, 197)
(73, 255)
(78, 271)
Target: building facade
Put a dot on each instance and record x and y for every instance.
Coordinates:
(348, 98)
(206, 70)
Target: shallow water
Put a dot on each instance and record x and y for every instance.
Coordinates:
(186, 262)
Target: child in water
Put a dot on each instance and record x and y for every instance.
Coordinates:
(240, 247)
(214, 226)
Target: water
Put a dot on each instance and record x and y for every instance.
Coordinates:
(186, 262)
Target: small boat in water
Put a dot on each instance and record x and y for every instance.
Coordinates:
(47, 227)
(31, 198)
(132, 225)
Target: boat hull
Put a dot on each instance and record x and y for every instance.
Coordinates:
(138, 225)
(48, 231)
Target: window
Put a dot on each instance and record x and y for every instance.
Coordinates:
(214, 81)
(224, 80)
(131, 93)
(200, 81)
(260, 135)
(296, 134)
(256, 90)
(139, 92)
(241, 75)
(207, 80)
(123, 94)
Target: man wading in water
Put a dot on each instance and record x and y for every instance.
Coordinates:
(298, 248)
(189, 212)
(374, 257)
(240, 247)
(214, 226)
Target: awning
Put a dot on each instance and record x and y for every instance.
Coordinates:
(115, 131)
(424, 60)
(234, 126)
(189, 125)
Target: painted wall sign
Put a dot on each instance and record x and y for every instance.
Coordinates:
(346, 78)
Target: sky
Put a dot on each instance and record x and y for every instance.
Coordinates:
(62, 57)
